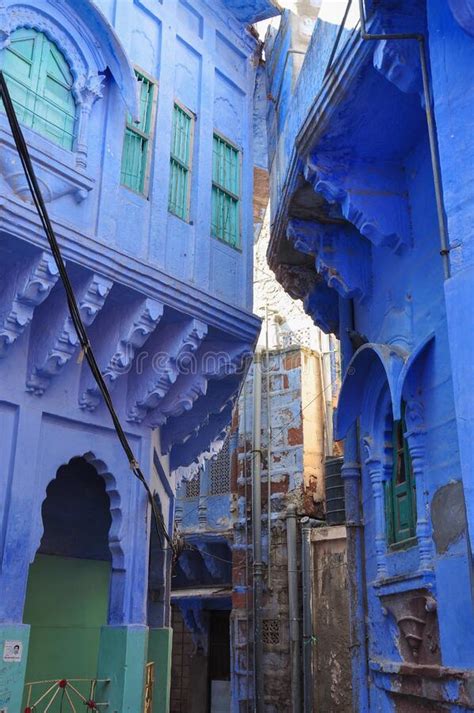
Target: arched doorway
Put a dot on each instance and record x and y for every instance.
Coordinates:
(68, 584)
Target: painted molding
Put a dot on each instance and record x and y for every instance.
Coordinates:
(23, 290)
(55, 339)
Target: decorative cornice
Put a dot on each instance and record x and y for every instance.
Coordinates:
(214, 360)
(53, 346)
(322, 305)
(372, 198)
(296, 280)
(176, 344)
(342, 255)
(135, 329)
(24, 290)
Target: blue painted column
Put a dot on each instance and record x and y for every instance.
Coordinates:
(355, 537)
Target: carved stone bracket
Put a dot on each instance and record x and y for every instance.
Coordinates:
(296, 280)
(214, 360)
(23, 290)
(132, 326)
(322, 305)
(342, 255)
(399, 62)
(416, 615)
(184, 454)
(219, 393)
(372, 198)
(172, 354)
(463, 11)
(54, 339)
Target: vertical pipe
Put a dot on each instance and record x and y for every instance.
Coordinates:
(246, 535)
(293, 609)
(257, 535)
(355, 536)
(269, 452)
(306, 576)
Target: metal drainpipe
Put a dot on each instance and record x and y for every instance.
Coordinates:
(434, 151)
(257, 535)
(307, 524)
(247, 573)
(355, 536)
(293, 609)
(269, 452)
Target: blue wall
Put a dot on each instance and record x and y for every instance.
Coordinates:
(368, 229)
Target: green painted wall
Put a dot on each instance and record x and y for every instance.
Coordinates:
(66, 606)
(159, 650)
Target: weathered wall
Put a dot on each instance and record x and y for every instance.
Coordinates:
(331, 657)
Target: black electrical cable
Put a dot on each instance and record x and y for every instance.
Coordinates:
(38, 201)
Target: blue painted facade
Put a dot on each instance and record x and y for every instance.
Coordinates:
(167, 307)
(356, 236)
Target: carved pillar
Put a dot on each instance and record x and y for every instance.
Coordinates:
(416, 437)
(376, 472)
(87, 91)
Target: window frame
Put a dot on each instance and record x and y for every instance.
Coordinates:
(390, 489)
(46, 45)
(145, 192)
(235, 197)
(189, 169)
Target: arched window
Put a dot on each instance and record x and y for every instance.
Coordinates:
(40, 84)
(400, 489)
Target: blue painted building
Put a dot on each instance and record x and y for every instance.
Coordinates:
(138, 118)
(372, 186)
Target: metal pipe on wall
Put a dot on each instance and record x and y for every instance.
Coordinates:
(257, 535)
(307, 524)
(293, 609)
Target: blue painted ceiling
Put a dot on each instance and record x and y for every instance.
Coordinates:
(252, 10)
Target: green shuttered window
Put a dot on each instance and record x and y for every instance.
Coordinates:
(40, 84)
(225, 223)
(400, 493)
(137, 140)
(181, 157)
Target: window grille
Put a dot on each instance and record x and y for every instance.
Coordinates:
(137, 140)
(219, 472)
(181, 155)
(40, 84)
(271, 632)
(192, 487)
(225, 223)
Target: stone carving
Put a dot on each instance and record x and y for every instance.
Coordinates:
(323, 306)
(59, 344)
(372, 200)
(415, 614)
(399, 62)
(190, 451)
(138, 326)
(177, 344)
(296, 280)
(214, 360)
(22, 293)
(53, 184)
(188, 425)
(342, 255)
(463, 11)
(86, 90)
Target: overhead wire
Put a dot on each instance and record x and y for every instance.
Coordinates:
(86, 347)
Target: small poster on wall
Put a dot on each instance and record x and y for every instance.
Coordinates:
(12, 651)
